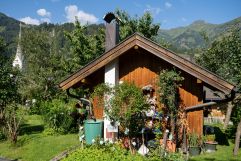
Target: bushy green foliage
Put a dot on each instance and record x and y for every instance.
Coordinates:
(84, 48)
(158, 154)
(57, 117)
(193, 140)
(9, 96)
(124, 105)
(113, 152)
(209, 138)
(43, 64)
(223, 57)
(106, 153)
(8, 80)
(13, 114)
(143, 25)
(2, 135)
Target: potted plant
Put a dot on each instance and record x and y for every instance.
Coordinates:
(210, 143)
(194, 145)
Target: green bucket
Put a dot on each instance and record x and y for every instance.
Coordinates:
(93, 129)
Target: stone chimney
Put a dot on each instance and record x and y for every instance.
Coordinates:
(111, 76)
(112, 30)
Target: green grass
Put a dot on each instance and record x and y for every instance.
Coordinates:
(33, 145)
(224, 150)
(223, 153)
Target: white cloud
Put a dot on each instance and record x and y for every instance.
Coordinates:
(43, 12)
(153, 10)
(168, 5)
(29, 20)
(72, 11)
(45, 20)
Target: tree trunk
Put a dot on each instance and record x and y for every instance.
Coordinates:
(228, 114)
(237, 139)
(172, 122)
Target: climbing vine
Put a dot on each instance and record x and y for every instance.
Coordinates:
(169, 82)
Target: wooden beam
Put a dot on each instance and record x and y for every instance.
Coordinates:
(200, 106)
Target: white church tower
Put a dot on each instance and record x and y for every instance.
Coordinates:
(18, 60)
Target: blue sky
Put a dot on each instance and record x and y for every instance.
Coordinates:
(169, 13)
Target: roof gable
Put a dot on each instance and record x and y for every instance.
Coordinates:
(153, 48)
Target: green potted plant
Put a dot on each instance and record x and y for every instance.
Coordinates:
(194, 144)
(210, 143)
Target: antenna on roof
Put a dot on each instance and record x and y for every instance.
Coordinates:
(110, 16)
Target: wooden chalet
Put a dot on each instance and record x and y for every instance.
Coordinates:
(140, 60)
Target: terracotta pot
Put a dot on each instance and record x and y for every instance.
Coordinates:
(170, 146)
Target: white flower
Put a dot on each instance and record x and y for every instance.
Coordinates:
(134, 143)
(93, 140)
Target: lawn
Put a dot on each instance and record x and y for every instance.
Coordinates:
(33, 145)
(224, 150)
(223, 153)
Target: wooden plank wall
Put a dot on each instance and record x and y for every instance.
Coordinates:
(93, 80)
(143, 69)
(191, 94)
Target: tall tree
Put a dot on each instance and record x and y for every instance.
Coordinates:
(43, 67)
(9, 80)
(143, 25)
(223, 58)
(84, 47)
(8, 88)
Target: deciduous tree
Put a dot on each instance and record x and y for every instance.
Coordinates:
(223, 57)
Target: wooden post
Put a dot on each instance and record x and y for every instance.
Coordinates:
(228, 114)
(165, 141)
(237, 139)
(184, 136)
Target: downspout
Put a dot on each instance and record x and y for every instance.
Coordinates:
(83, 101)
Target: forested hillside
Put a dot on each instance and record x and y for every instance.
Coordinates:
(9, 30)
(183, 40)
(187, 39)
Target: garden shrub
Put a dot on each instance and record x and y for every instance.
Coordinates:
(57, 116)
(2, 136)
(114, 152)
(125, 104)
(104, 153)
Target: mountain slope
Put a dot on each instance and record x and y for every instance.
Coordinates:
(186, 39)
(9, 28)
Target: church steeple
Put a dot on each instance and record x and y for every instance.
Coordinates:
(18, 60)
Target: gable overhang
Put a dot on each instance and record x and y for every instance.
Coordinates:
(153, 48)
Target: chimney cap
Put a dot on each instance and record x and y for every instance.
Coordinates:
(111, 16)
